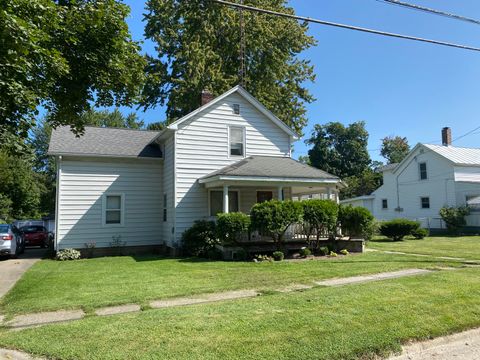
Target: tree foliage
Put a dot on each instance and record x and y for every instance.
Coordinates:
(364, 183)
(198, 45)
(454, 217)
(340, 150)
(67, 56)
(394, 148)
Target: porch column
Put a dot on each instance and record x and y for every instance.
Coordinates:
(329, 193)
(225, 199)
(280, 193)
(337, 196)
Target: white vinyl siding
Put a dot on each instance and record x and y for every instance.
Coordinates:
(202, 147)
(84, 185)
(169, 190)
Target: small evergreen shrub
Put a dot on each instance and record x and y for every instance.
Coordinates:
(324, 251)
(304, 252)
(419, 233)
(397, 229)
(272, 218)
(356, 222)
(200, 238)
(344, 252)
(454, 217)
(231, 227)
(278, 256)
(67, 254)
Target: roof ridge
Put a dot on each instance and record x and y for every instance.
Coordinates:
(119, 128)
(451, 146)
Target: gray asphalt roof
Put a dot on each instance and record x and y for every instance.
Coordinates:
(97, 141)
(272, 166)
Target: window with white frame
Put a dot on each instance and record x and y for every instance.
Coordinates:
(422, 168)
(236, 141)
(384, 203)
(165, 207)
(473, 202)
(425, 202)
(113, 205)
(216, 202)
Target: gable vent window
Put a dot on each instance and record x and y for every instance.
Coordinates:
(423, 171)
(425, 202)
(237, 139)
(236, 109)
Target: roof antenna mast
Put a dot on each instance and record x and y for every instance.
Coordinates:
(242, 70)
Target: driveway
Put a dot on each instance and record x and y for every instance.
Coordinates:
(13, 269)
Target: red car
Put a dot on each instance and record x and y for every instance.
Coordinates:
(35, 235)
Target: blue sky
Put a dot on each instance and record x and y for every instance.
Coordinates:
(397, 87)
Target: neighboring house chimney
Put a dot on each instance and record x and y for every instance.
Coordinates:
(206, 97)
(446, 136)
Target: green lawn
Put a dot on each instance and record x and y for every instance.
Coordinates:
(349, 322)
(467, 247)
(91, 283)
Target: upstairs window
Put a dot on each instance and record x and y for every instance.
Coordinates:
(425, 202)
(423, 171)
(236, 141)
(113, 214)
(384, 204)
(236, 109)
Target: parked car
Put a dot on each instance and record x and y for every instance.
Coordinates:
(11, 240)
(35, 235)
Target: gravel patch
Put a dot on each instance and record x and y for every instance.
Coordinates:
(373, 277)
(113, 310)
(30, 320)
(461, 346)
(16, 355)
(229, 295)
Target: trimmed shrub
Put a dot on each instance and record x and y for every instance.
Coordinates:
(454, 217)
(272, 218)
(67, 254)
(304, 252)
(356, 221)
(324, 251)
(344, 252)
(232, 226)
(214, 254)
(397, 229)
(333, 254)
(240, 255)
(278, 256)
(200, 238)
(419, 233)
(319, 215)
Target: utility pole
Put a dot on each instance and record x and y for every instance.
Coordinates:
(242, 70)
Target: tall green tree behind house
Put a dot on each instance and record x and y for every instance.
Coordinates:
(198, 44)
(68, 56)
(338, 149)
(394, 148)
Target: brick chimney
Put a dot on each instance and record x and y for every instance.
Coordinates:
(206, 97)
(446, 136)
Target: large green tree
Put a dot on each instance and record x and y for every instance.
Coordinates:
(67, 56)
(394, 148)
(338, 149)
(198, 45)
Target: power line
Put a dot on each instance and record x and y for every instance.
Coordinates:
(344, 26)
(430, 10)
(468, 133)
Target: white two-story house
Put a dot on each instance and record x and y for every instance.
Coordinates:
(429, 178)
(145, 188)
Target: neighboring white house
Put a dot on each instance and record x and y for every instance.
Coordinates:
(147, 187)
(429, 178)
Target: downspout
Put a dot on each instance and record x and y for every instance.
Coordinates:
(57, 200)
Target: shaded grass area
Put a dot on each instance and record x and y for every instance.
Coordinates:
(91, 283)
(467, 247)
(349, 322)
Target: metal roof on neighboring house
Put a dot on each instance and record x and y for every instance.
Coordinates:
(457, 155)
(98, 141)
(272, 166)
(387, 167)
